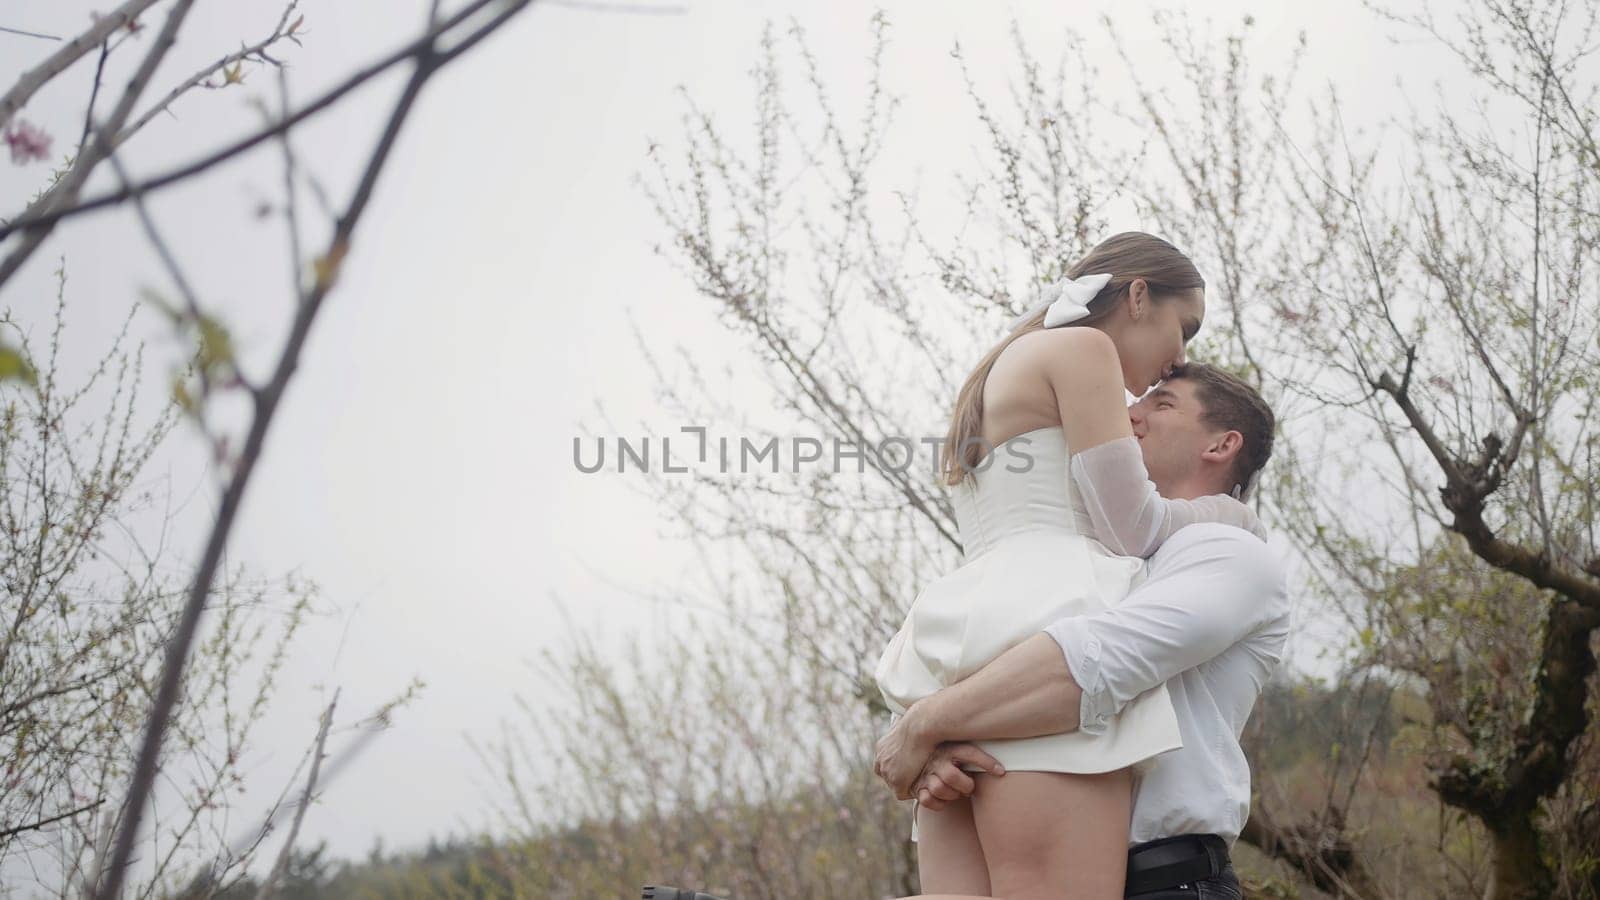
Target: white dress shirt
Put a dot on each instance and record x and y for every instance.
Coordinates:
(1210, 619)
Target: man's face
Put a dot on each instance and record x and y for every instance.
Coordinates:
(1166, 421)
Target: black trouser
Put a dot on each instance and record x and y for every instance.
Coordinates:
(1188, 866)
(1183, 866)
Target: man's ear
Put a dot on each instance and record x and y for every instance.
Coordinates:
(1225, 447)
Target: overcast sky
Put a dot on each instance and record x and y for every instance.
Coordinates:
(421, 469)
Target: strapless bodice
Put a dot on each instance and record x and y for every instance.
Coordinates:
(1024, 486)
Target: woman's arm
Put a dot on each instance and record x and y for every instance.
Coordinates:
(1128, 515)
(1085, 375)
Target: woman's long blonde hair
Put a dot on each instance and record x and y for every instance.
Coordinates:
(1127, 256)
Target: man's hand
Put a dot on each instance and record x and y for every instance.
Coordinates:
(909, 758)
(902, 754)
(942, 779)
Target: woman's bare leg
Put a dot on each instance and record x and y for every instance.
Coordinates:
(949, 858)
(1054, 836)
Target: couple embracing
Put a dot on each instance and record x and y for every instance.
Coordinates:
(1069, 700)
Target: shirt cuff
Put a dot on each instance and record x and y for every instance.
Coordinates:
(1082, 652)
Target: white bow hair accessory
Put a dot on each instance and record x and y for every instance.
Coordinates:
(1066, 301)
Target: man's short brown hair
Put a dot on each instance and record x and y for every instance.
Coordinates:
(1228, 403)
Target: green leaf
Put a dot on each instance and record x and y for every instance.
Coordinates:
(216, 348)
(181, 395)
(13, 365)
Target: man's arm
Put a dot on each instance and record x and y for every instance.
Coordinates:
(1208, 589)
(1214, 587)
(1025, 691)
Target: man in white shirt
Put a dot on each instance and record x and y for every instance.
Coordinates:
(1209, 619)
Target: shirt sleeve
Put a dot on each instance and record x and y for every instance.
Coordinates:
(1209, 587)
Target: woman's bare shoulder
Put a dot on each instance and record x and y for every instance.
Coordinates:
(1052, 375)
(1064, 352)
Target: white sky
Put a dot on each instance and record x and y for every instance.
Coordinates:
(420, 470)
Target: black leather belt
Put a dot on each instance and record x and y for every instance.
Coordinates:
(1169, 862)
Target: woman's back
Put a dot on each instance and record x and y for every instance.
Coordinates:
(1018, 397)
(1022, 486)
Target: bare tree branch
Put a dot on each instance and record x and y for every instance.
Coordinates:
(42, 216)
(427, 61)
(69, 53)
(65, 192)
(34, 826)
(284, 30)
(282, 865)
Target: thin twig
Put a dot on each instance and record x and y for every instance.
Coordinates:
(50, 821)
(48, 37)
(282, 865)
(257, 50)
(94, 93)
(291, 196)
(168, 260)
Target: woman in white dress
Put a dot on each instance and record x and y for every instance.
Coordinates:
(1055, 509)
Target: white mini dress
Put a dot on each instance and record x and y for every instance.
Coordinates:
(1029, 559)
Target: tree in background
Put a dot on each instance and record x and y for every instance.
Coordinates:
(89, 609)
(1431, 312)
(95, 662)
(1454, 303)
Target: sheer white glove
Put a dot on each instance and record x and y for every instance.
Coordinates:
(1129, 517)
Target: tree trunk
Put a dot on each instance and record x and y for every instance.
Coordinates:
(1519, 870)
(1317, 847)
(1505, 795)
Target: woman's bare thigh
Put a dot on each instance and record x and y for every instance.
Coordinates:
(1054, 836)
(949, 858)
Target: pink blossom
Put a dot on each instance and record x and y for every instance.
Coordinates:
(27, 142)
